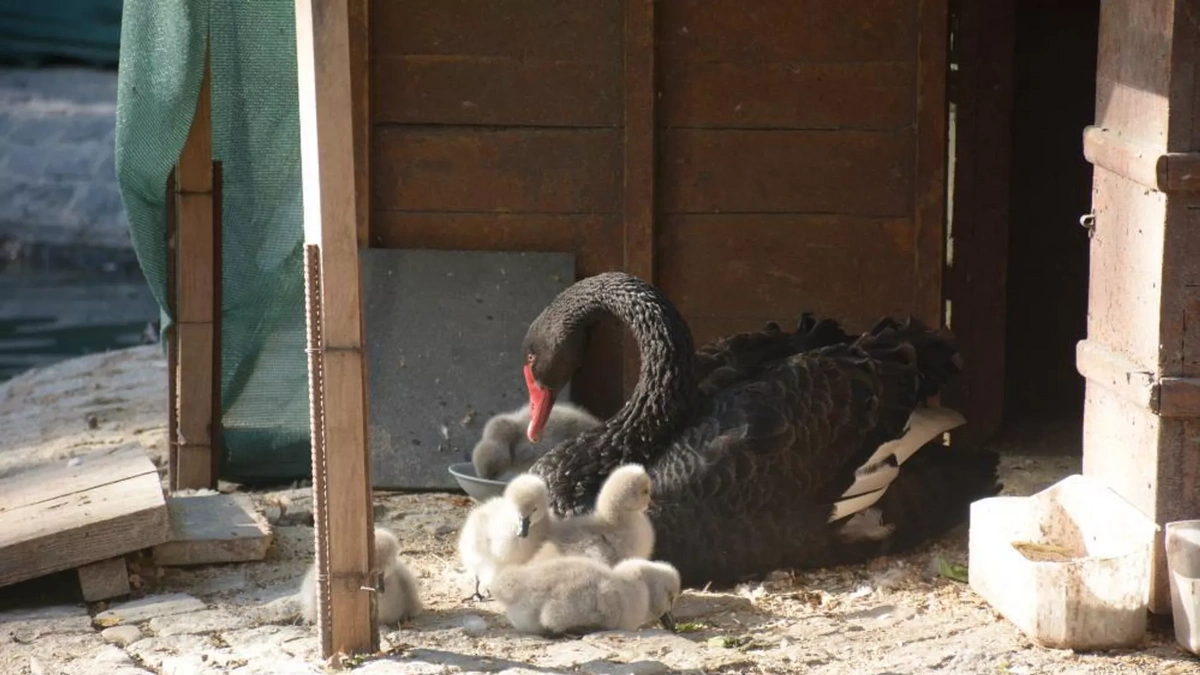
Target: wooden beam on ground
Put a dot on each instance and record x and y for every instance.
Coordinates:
(639, 125)
(341, 462)
(103, 580)
(61, 517)
(197, 271)
(213, 528)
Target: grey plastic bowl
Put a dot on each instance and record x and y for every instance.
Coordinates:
(480, 489)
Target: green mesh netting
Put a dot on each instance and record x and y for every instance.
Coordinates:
(264, 376)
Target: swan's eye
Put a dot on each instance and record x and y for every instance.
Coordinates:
(529, 358)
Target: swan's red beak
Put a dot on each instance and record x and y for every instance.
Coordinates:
(541, 400)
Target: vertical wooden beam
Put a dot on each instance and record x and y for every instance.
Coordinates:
(976, 272)
(930, 199)
(360, 86)
(342, 509)
(640, 155)
(196, 303)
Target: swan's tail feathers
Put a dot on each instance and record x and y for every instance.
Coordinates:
(924, 425)
(933, 352)
(933, 493)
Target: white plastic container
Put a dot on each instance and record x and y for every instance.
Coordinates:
(1183, 566)
(1069, 566)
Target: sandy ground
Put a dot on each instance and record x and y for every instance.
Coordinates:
(896, 615)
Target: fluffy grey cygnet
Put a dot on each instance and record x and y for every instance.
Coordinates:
(504, 450)
(397, 597)
(575, 595)
(619, 527)
(505, 530)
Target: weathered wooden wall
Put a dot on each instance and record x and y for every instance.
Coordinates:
(1140, 357)
(753, 160)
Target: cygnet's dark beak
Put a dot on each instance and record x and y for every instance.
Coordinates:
(523, 527)
(667, 621)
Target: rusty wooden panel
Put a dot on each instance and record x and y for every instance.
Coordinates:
(595, 239)
(789, 95)
(759, 265)
(473, 169)
(789, 30)
(849, 172)
(1125, 268)
(496, 90)
(564, 30)
(1133, 70)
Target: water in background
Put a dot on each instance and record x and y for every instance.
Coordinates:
(60, 302)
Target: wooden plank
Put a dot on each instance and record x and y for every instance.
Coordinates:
(213, 528)
(566, 30)
(755, 266)
(976, 273)
(59, 524)
(639, 159)
(103, 580)
(789, 95)
(359, 13)
(342, 502)
(751, 171)
(497, 90)
(57, 480)
(930, 160)
(530, 170)
(595, 239)
(196, 302)
(789, 30)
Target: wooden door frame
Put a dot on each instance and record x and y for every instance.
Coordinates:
(975, 274)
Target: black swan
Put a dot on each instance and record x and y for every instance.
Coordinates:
(768, 450)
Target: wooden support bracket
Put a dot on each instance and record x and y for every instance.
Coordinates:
(1175, 397)
(1161, 171)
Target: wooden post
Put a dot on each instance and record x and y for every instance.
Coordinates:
(1140, 358)
(975, 279)
(196, 303)
(341, 462)
(639, 120)
(930, 160)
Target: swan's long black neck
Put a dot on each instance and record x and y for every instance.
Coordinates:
(662, 400)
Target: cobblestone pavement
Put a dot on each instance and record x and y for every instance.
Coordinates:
(58, 183)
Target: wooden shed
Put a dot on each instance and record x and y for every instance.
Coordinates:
(760, 158)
